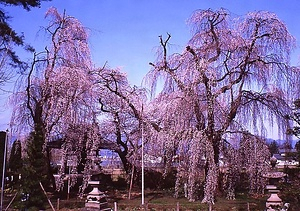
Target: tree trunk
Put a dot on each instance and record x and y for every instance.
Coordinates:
(211, 176)
(127, 165)
(131, 182)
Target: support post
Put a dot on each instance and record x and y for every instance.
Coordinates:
(43, 189)
(115, 206)
(57, 205)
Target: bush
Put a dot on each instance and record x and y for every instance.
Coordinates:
(291, 189)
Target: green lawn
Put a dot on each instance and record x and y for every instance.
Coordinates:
(160, 201)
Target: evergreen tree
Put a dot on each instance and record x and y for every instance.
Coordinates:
(15, 159)
(295, 117)
(273, 147)
(34, 171)
(2, 145)
(8, 36)
(297, 147)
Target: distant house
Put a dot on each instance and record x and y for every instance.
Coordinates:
(285, 158)
(110, 159)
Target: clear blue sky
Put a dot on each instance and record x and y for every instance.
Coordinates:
(125, 32)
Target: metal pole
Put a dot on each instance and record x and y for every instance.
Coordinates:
(143, 174)
(68, 195)
(3, 169)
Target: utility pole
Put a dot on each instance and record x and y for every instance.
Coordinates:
(3, 169)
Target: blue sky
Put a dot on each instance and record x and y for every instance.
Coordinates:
(125, 33)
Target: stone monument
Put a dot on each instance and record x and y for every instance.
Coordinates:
(96, 199)
(274, 202)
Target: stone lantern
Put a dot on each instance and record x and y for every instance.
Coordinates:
(96, 199)
(273, 202)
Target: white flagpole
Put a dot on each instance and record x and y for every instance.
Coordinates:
(143, 174)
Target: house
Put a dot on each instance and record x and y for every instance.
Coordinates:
(285, 158)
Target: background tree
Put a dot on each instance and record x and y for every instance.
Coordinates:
(27, 4)
(15, 162)
(10, 38)
(254, 158)
(233, 76)
(3, 136)
(120, 106)
(273, 147)
(297, 147)
(295, 129)
(295, 117)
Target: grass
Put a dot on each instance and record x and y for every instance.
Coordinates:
(161, 202)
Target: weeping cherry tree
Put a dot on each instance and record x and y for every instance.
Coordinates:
(233, 77)
(56, 93)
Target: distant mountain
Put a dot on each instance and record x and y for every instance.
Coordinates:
(281, 142)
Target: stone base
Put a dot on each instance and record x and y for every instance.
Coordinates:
(273, 201)
(96, 209)
(91, 206)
